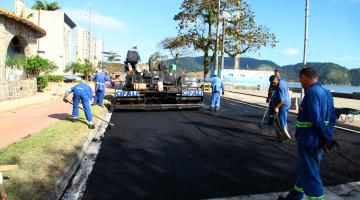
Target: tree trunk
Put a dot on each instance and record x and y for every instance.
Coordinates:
(207, 62)
(237, 61)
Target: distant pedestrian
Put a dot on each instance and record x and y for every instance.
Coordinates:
(81, 92)
(281, 104)
(314, 127)
(100, 80)
(217, 86)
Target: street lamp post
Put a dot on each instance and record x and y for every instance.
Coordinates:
(305, 40)
(217, 40)
(223, 48)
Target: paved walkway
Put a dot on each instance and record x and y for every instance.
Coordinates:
(24, 122)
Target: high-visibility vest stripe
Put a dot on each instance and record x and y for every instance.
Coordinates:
(307, 124)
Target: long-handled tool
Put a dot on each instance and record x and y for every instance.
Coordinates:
(110, 125)
(266, 111)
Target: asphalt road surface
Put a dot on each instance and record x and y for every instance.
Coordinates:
(200, 155)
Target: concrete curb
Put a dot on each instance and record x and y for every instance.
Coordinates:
(338, 125)
(65, 176)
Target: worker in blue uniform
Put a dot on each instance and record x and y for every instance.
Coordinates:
(314, 127)
(81, 92)
(100, 79)
(269, 99)
(281, 100)
(217, 86)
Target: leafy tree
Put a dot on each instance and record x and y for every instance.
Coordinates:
(155, 59)
(45, 5)
(32, 65)
(112, 58)
(178, 46)
(74, 67)
(242, 33)
(86, 68)
(197, 22)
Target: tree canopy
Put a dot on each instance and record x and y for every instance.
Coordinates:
(197, 22)
(45, 5)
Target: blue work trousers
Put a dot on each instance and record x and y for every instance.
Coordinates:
(99, 97)
(215, 100)
(81, 95)
(308, 179)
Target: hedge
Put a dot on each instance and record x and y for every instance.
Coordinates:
(55, 78)
(42, 82)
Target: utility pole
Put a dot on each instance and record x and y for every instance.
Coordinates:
(89, 38)
(305, 39)
(223, 48)
(217, 40)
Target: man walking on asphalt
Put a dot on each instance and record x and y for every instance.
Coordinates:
(217, 86)
(81, 92)
(314, 127)
(281, 108)
(269, 99)
(100, 79)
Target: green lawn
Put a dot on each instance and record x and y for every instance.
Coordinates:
(42, 157)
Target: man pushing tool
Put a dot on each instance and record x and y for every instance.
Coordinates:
(281, 107)
(81, 92)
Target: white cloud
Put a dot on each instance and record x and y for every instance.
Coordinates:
(80, 16)
(291, 52)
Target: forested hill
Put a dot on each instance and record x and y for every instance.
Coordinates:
(196, 63)
(329, 73)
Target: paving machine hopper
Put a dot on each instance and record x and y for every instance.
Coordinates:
(158, 90)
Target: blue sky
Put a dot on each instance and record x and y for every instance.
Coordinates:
(334, 32)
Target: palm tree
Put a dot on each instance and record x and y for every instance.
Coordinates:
(45, 5)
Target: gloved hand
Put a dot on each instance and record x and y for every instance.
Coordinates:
(276, 110)
(65, 100)
(329, 146)
(223, 93)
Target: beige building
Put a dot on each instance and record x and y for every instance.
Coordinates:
(88, 47)
(57, 44)
(18, 38)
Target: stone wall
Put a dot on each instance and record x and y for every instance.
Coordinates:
(10, 28)
(10, 90)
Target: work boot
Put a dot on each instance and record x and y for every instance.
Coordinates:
(74, 119)
(212, 108)
(91, 125)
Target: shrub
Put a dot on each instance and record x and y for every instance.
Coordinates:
(42, 82)
(55, 78)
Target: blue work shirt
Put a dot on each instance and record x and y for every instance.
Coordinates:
(281, 93)
(217, 85)
(100, 80)
(316, 118)
(81, 87)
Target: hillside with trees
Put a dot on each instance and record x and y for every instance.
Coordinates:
(354, 76)
(195, 64)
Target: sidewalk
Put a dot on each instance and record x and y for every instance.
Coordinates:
(23, 117)
(24, 122)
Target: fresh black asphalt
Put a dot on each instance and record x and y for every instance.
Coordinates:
(200, 155)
